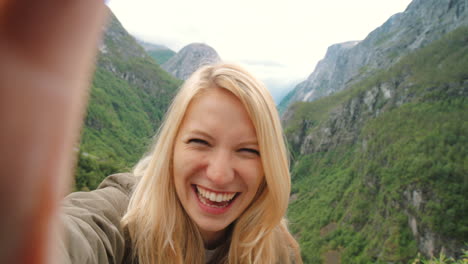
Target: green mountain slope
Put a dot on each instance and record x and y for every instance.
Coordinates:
(380, 169)
(129, 96)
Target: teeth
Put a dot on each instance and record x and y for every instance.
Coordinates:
(203, 200)
(215, 197)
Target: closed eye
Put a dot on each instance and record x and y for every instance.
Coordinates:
(249, 150)
(198, 141)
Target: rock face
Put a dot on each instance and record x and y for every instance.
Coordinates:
(346, 120)
(121, 55)
(117, 42)
(421, 23)
(331, 72)
(189, 59)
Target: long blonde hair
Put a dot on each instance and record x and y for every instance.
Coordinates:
(160, 229)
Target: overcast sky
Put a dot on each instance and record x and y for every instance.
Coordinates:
(280, 41)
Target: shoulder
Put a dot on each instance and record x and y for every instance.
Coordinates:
(124, 182)
(91, 220)
(111, 196)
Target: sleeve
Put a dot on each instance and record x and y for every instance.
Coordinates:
(91, 222)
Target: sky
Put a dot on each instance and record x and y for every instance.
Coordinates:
(279, 41)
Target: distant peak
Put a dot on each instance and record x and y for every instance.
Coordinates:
(189, 59)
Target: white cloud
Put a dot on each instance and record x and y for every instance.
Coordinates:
(278, 40)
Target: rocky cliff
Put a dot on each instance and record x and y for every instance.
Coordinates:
(189, 59)
(421, 23)
(121, 55)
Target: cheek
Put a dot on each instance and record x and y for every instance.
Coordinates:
(253, 175)
(185, 164)
(181, 173)
(178, 169)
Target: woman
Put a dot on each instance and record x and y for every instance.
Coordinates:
(214, 188)
(222, 136)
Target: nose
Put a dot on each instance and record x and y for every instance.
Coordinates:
(220, 169)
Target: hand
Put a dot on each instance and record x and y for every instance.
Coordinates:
(47, 51)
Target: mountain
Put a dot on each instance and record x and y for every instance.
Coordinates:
(160, 53)
(189, 59)
(421, 23)
(379, 166)
(379, 169)
(129, 96)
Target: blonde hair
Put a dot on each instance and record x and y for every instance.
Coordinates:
(160, 229)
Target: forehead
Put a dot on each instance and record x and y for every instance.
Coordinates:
(218, 111)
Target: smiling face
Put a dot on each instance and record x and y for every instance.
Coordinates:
(217, 166)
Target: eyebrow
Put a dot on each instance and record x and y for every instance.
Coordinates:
(250, 142)
(200, 132)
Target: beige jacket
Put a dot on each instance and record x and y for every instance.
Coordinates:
(91, 223)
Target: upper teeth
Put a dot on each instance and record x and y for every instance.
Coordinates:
(215, 197)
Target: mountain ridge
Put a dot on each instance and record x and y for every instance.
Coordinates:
(421, 23)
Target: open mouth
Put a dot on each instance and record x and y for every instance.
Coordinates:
(214, 199)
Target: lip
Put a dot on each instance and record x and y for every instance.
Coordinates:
(209, 209)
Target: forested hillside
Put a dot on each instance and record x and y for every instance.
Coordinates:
(129, 96)
(380, 169)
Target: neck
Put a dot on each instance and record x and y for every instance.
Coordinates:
(212, 239)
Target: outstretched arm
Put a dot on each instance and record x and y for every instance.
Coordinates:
(47, 51)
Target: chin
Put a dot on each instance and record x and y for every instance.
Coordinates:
(210, 226)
